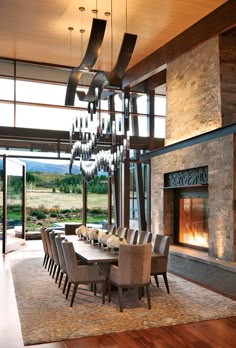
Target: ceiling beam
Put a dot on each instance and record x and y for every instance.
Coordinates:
(218, 21)
(33, 134)
(49, 140)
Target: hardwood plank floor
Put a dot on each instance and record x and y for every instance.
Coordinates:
(219, 333)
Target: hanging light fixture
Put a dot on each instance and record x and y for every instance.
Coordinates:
(91, 127)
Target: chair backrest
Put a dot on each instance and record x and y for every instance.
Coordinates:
(45, 247)
(70, 259)
(52, 236)
(161, 244)
(145, 237)
(111, 229)
(132, 236)
(122, 232)
(61, 257)
(46, 234)
(135, 263)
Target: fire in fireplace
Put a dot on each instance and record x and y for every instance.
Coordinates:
(192, 217)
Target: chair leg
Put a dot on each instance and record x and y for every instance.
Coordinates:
(103, 293)
(68, 290)
(46, 261)
(109, 291)
(166, 282)
(73, 294)
(57, 274)
(95, 289)
(148, 295)
(64, 287)
(50, 264)
(60, 279)
(120, 298)
(156, 279)
(54, 270)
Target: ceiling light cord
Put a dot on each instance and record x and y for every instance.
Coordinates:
(70, 37)
(111, 36)
(126, 17)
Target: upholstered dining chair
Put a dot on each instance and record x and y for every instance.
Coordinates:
(56, 264)
(122, 232)
(111, 229)
(58, 240)
(160, 261)
(49, 248)
(145, 237)
(81, 274)
(133, 270)
(132, 236)
(45, 248)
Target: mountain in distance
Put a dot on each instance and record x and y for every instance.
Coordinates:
(47, 167)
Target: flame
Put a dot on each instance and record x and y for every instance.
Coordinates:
(193, 222)
(198, 238)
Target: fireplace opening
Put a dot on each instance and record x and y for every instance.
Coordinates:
(191, 217)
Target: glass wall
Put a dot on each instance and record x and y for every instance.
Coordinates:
(1, 203)
(13, 195)
(33, 96)
(97, 200)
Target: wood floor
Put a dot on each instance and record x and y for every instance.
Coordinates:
(214, 333)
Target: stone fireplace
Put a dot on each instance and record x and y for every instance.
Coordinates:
(200, 144)
(217, 216)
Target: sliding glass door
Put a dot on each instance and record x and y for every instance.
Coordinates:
(13, 204)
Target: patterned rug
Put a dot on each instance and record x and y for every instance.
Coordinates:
(45, 314)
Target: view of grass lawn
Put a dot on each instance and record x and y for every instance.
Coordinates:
(52, 198)
(37, 198)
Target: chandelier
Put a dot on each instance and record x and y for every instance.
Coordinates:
(88, 129)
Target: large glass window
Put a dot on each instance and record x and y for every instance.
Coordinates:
(97, 200)
(44, 118)
(38, 92)
(160, 113)
(142, 104)
(6, 115)
(1, 203)
(14, 200)
(6, 89)
(160, 105)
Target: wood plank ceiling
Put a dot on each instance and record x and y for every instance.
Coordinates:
(38, 30)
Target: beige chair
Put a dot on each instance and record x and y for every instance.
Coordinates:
(145, 237)
(132, 236)
(81, 274)
(111, 229)
(122, 232)
(56, 263)
(62, 262)
(45, 247)
(159, 262)
(51, 261)
(133, 270)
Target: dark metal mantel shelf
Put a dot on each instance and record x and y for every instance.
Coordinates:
(217, 133)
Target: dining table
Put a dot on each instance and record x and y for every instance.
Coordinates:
(91, 253)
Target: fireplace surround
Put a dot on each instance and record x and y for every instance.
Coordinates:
(214, 267)
(217, 155)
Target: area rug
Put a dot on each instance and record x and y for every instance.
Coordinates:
(46, 316)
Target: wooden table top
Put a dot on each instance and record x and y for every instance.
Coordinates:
(92, 253)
